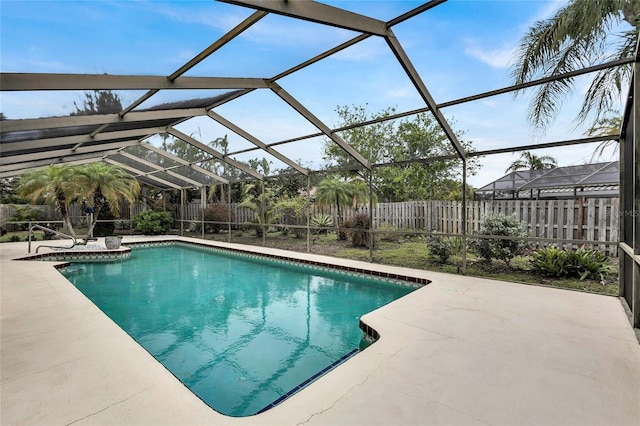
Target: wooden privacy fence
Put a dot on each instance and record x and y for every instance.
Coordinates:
(593, 219)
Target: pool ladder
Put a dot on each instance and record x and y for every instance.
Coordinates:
(53, 231)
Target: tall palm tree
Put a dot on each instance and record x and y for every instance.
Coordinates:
(577, 36)
(104, 185)
(57, 185)
(332, 191)
(604, 127)
(529, 161)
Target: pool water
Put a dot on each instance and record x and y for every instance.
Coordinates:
(240, 332)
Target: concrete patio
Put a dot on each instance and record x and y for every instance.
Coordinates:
(461, 350)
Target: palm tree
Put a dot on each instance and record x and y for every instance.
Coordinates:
(104, 185)
(336, 192)
(604, 127)
(529, 161)
(577, 36)
(57, 185)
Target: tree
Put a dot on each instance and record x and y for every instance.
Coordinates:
(104, 185)
(530, 161)
(56, 185)
(577, 36)
(604, 127)
(401, 144)
(332, 191)
(98, 102)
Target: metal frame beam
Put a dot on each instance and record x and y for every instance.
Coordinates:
(93, 120)
(161, 169)
(257, 142)
(186, 163)
(8, 147)
(18, 172)
(190, 140)
(60, 160)
(413, 75)
(55, 154)
(137, 172)
(47, 81)
(293, 102)
(319, 13)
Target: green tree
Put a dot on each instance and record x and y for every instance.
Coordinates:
(400, 144)
(104, 185)
(530, 161)
(56, 185)
(333, 191)
(262, 204)
(606, 126)
(577, 36)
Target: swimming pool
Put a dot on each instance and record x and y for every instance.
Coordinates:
(242, 332)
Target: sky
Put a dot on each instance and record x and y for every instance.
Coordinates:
(460, 48)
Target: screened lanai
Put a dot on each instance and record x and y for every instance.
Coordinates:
(585, 180)
(175, 103)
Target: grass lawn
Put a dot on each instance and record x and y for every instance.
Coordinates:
(413, 253)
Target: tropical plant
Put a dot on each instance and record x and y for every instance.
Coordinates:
(56, 185)
(581, 263)
(150, 222)
(332, 191)
(262, 205)
(291, 212)
(323, 222)
(578, 35)
(25, 214)
(606, 126)
(505, 249)
(104, 185)
(530, 161)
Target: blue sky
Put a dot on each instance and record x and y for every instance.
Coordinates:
(460, 48)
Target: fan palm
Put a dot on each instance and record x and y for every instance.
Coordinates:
(104, 185)
(56, 185)
(529, 161)
(577, 36)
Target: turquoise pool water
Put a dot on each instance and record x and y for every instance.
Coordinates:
(240, 332)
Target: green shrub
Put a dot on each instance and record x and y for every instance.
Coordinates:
(150, 222)
(323, 222)
(590, 263)
(580, 263)
(219, 213)
(503, 249)
(24, 214)
(551, 261)
(14, 238)
(359, 230)
(388, 232)
(440, 247)
(122, 224)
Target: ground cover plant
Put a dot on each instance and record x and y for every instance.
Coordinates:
(412, 250)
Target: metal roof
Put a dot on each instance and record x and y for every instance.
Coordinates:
(122, 137)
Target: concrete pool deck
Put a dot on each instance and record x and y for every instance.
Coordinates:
(460, 350)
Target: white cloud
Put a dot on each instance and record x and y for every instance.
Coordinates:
(496, 58)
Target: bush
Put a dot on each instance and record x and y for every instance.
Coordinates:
(503, 249)
(440, 247)
(217, 213)
(14, 238)
(150, 222)
(580, 263)
(291, 211)
(122, 224)
(24, 214)
(359, 230)
(322, 221)
(388, 232)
